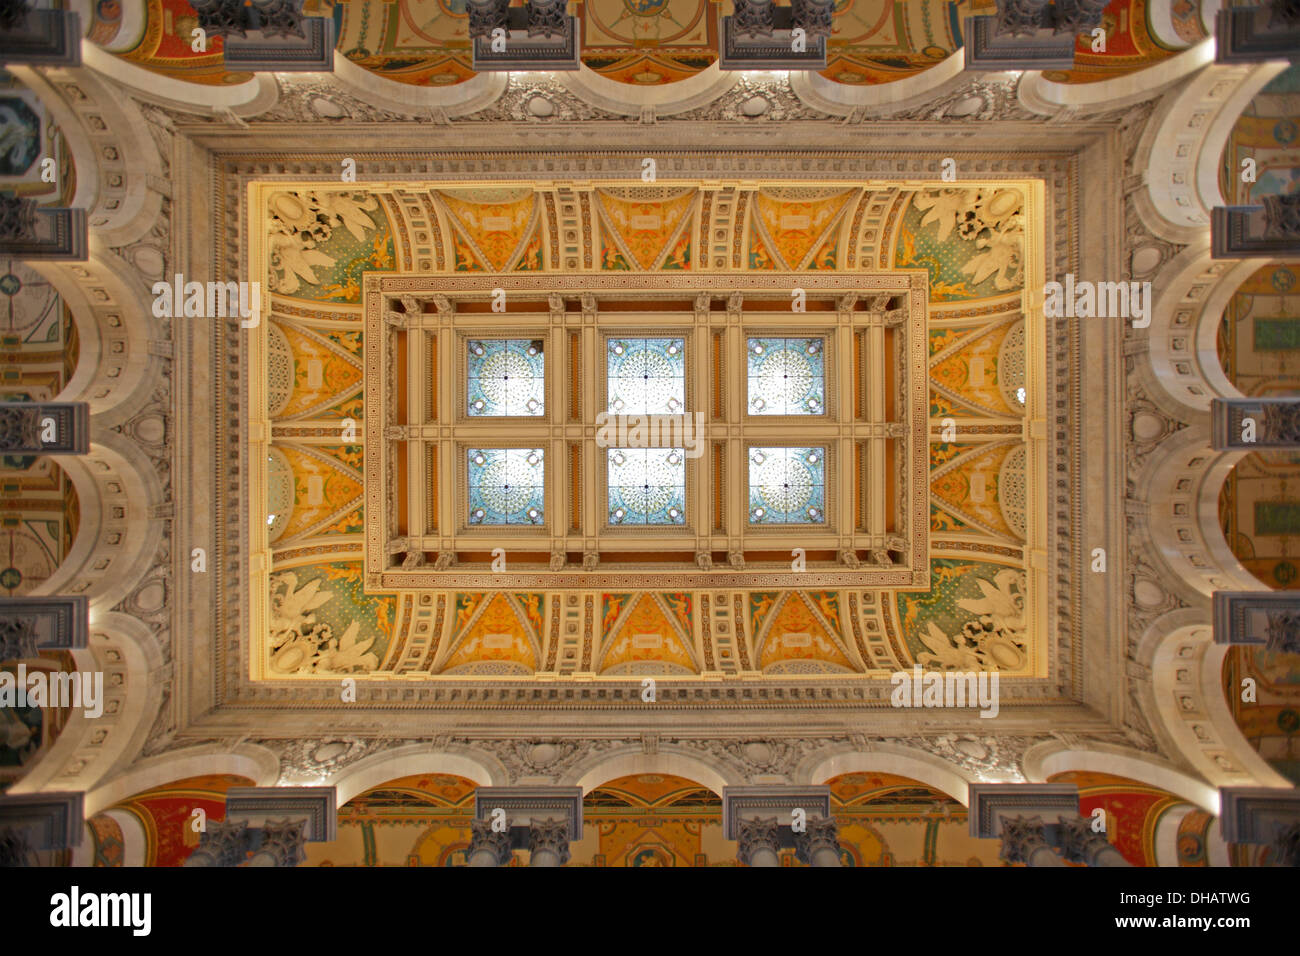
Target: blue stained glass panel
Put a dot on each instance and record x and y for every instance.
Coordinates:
(646, 376)
(787, 485)
(647, 486)
(786, 376)
(506, 486)
(506, 377)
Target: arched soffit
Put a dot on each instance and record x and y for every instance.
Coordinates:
(1180, 484)
(120, 174)
(1253, 347)
(1267, 715)
(1191, 294)
(116, 373)
(156, 86)
(408, 761)
(1176, 25)
(885, 758)
(1262, 135)
(117, 491)
(1042, 95)
(1186, 700)
(51, 490)
(1181, 148)
(51, 343)
(1253, 510)
(475, 93)
(666, 98)
(39, 141)
(91, 749)
(842, 99)
(591, 773)
(252, 761)
(1052, 757)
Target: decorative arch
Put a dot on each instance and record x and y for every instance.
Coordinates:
(1181, 147)
(889, 758)
(710, 773)
(413, 760)
(1053, 757)
(1184, 700)
(251, 761)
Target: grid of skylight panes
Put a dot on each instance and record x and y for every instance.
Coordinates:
(787, 376)
(787, 485)
(505, 377)
(646, 376)
(647, 486)
(506, 486)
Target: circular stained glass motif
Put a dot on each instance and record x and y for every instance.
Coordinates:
(505, 377)
(786, 376)
(646, 376)
(787, 485)
(505, 485)
(647, 486)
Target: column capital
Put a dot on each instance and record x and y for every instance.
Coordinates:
(484, 839)
(757, 834)
(549, 835)
(222, 843)
(1079, 843)
(816, 843)
(1022, 837)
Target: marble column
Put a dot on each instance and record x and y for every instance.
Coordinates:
(541, 819)
(487, 847)
(1024, 840)
(1263, 816)
(56, 622)
(221, 844)
(1025, 35)
(819, 843)
(548, 842)
(760, 843)
(1255, 34)
(282, 843)
(44, 428)
(1014, 813)
(274, 824)
(1079, 844)
(1254, 423)
(34, 823)
(764, 818)
(1267, 619)
(39, 37)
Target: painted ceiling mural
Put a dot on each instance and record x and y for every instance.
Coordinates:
(1259, 351)
(645, 42)
(321, 240)
(39, 511)
(649, 819)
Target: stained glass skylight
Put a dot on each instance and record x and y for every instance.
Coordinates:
(506, 377)
(787, 485)
(506, 486)
(786, 376)
(647, 486)
(646, 376)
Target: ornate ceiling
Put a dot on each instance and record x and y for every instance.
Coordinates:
(270, 525)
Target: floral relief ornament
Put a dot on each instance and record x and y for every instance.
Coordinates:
(992, 218)
(302, 221)
(302, 645)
